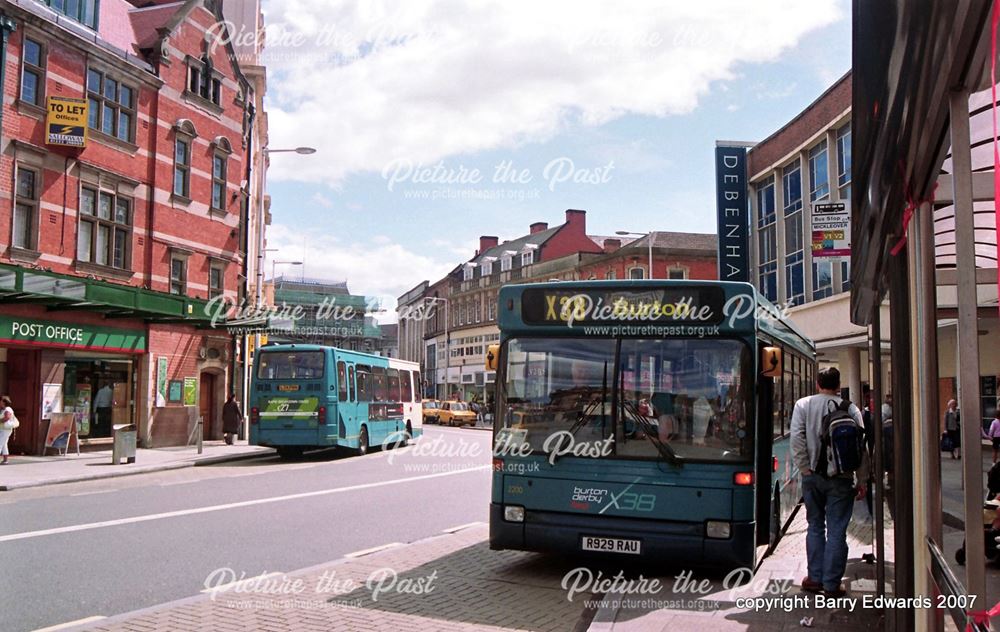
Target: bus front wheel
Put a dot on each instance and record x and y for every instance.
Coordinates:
(775, 519)
(363, 442)
(407, 436)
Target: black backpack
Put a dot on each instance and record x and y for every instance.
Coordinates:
(842, 443)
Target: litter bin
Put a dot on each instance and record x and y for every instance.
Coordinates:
(124, 445)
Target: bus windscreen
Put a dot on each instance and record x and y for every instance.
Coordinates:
(677, 399)
(290, 365)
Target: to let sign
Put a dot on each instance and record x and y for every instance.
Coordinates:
(66, 122)
(831, 230)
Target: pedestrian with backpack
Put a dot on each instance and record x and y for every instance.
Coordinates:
(828, 447)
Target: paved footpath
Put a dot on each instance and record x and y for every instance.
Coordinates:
(35, 471)
(454, 582)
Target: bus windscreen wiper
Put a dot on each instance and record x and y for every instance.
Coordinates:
(651, 433)
(585, 414)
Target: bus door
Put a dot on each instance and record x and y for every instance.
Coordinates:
(764, 466)
(346, 399)
(394, 399)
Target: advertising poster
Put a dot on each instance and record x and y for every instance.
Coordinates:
(175, 394)
(60, 429)
(51, 399)
(190, 391)
(161, 381)
(82, 408)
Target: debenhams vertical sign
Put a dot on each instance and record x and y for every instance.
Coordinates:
(734, 227)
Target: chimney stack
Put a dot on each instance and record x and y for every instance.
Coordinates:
(577, 220)
(612, 245)
(538, 227)
(486, 242)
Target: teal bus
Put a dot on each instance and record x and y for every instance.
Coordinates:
(306, 397)
(644, 419)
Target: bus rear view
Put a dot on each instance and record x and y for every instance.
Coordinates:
(290, 398)
(625, 423)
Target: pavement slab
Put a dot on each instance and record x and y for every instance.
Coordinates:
(454, 581)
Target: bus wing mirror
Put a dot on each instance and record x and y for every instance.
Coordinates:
(771, 362)
(492, 357)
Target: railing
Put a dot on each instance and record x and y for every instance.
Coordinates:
(952, 590)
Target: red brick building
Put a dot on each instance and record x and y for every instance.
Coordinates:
(111, 250)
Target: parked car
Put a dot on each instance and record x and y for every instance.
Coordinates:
(431, 409)
(456, 414)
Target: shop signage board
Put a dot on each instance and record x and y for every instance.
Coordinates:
(831, 230)
(733, 212)
(190, 391)
(63, 335)
(62, 433)
(66, 122)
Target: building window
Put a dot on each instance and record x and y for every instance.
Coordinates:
(204, 81)
(26, 208)
(767, 246)
(610, 274)
(845, 276)
(111, 106)
(791, 179)
(505, 263)
(182, 167)
(219, 168)
(33, 72)
(822, 279)
(819, 173)
(844, 161)
(486, 268)
(677, 273)
(83, 11)
(491, 307)
(105, 229)
(528, 258)
(468, 272)
(795, 291)
(636, 273)
(216, 283)
(178, 275)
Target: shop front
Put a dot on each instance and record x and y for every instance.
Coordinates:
(60, 371)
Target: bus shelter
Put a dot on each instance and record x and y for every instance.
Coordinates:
(924, 203)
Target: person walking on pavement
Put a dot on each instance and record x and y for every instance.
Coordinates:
(993, 434)
(829, 496)
(232, 417)
(8, 422)
(103, 402)
(952, 425)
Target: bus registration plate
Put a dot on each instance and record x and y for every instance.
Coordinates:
(611, 545)
(288, 387)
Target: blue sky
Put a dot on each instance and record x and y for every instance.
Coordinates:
(635, 105)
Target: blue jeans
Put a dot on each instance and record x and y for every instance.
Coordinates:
(829, 503)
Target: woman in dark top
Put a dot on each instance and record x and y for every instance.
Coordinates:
(232, 417)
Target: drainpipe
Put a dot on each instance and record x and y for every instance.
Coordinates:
(7, 26)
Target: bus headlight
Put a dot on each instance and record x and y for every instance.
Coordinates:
(513, 513)
(718, 530)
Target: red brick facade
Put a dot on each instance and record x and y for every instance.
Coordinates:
(129, 166)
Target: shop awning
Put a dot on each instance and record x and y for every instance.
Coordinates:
(907, 57)
(65, 293)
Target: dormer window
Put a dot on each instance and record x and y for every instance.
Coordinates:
(468, 273)
(203, 80)
(505, 263)
(83, 11)
(486, 267)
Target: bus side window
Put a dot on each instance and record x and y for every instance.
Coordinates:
(392, 380)
(352, 387)
(418, 387)
(341, 381)
(364, 383)
(406, 387)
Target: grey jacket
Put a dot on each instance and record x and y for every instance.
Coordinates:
(807, 430)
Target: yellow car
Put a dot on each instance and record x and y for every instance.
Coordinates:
(456, 414)
(431, 409)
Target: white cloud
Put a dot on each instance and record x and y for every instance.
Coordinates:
(376, 267)
(438, 78)
(320, 199)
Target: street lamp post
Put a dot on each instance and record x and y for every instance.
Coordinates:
(650, 235)
(275, 263)
(447, 340)
(259, 289)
